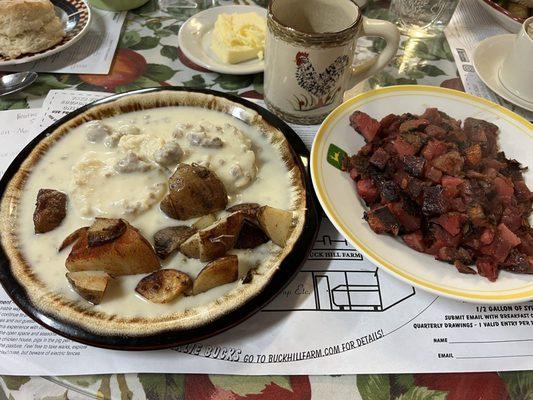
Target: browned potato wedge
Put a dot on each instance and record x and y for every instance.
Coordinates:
(164, 285)
(250, 236)
(105, 230)
(218, 272)
(74, 236)
(90, 285)
(50, 210)
(276, 223)
(205, 221)
(168, 240)
(193, 191)
(129, 254)
(249, 210)
(215, 240)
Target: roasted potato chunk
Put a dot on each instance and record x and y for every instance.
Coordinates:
(50, 210)
(129, 254)
(73, 237)
(205, 221)
(276, 223)
(193, 191)
(250, 236)
(90, 285)
(105, 230)
(164, 285)
(215, 240)
(249, 210)
(218, 272)
(168, 240)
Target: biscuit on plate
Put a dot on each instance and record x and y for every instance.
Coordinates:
(28, 26)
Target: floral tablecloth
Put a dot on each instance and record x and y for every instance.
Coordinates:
(148, 56)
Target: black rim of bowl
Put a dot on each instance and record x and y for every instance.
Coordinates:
(167, 339)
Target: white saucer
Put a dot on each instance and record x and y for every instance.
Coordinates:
(194, 40)
(488, 57)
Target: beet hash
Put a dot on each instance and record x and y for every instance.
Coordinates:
(445, 189)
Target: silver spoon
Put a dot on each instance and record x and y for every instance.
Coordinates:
(14, 82)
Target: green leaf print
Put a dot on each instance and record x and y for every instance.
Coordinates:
(159, 72)
(81, 380)
(234, 82)
(140, 83)
(145, 43)
(15, 382)
(249, 386)
(147, 8)
(406, 81)
(519, 384)
(164, 33)
(129, 39)
(154, 24)
(162, 386)
(431, 70)
(170, 52)
(174, 28)
(197, 82)
(373, 387)
(422, 393)
(14, 104)
(44, 84)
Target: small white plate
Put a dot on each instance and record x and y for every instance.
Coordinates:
(488, 57)
(337, 194)
(194, 40)
(76, 18)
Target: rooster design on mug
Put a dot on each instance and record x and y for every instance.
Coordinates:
(321, 86)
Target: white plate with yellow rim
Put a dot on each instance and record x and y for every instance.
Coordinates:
(336, 191)
(194, 39)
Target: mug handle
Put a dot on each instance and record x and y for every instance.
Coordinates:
(391, 34)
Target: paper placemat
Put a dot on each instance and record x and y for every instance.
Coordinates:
(312, 327)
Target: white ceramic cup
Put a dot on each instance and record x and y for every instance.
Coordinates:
(516, 71)
(309, 52)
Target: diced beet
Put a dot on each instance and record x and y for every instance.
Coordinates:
(433, 174)
(476, 215)
(408, 221)
(463, 269)
(504, 188)
(413, 125)
(354, 174)
(389, 191)
(433, 149)
(436, 131)
(445, 254)
(367, 190)
(380, 158)
(433, 201)
(432, 115)
(487, 236)
(403, 148)
(414, 165)
(527, 243)
(518, 262)
(503, 242)
(512, 218)
(508, 236)
(415, 240)
(478, 130)
(366, 149)
(452, 222)
(365, 125)
(487, 267)
(388, 120)
(522, 191)
(451, 162)
(381, 220)
(415, 188)
(451, 185)
(473, 154)
(457, 204)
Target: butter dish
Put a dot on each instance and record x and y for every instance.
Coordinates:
(196, 36)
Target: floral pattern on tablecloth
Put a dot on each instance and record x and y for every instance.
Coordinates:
(148, 56)
(456, 386)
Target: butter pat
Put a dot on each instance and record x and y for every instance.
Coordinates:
(239, 37)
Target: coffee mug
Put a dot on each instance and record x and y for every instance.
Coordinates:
(516, 71)
(309, 52)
